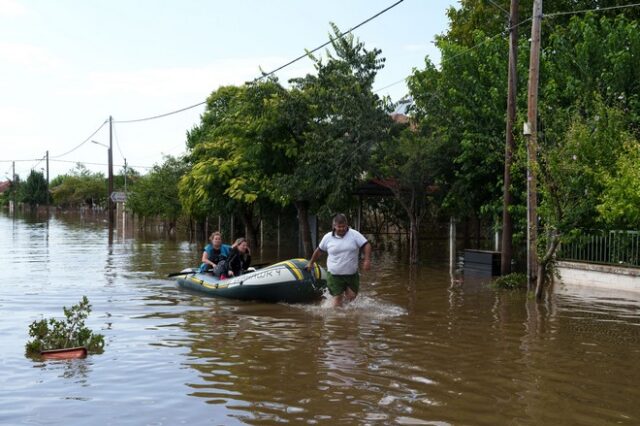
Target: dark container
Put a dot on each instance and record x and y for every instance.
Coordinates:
(482, 262)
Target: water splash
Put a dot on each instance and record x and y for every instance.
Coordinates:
(363, 306)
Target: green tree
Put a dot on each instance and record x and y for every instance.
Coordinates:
(573, 173)
(619, 206)
(237, 147)
(337, 120)
(462, 106)
(404, 164)
(78, 188)
(35, 190)
(156, 193)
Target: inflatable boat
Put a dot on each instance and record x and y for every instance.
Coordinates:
(287, 281)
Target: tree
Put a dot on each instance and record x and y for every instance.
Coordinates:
(239, 144)
(619, 206)
(462, 106)
(156, 193)
(404, 165)
(35, 190)
(79, 187)
(571, 173)
(341, 118)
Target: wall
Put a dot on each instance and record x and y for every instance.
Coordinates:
(609, 277)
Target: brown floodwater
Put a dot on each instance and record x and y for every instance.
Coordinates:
(419, 346)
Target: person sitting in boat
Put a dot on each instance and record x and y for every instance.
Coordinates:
(214, 253)
(239, 259)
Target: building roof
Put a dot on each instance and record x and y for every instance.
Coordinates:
(4, 186)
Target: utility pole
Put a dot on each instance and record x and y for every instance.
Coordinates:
(14, 187)
(507, 199)
(531, 130)
(48, 200)
(109, 200)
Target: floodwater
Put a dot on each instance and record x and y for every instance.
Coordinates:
(418, 347)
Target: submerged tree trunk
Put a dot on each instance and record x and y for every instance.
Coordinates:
(413, 239)
(303, 227)
(542, 266)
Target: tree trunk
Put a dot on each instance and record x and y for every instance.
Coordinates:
(542, 266)
(247, 220)
(413, 239)
(303, 227)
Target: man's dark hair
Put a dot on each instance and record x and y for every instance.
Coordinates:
(340, 219)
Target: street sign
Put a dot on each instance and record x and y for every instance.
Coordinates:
(118, 197)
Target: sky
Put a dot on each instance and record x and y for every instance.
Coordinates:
(66, 66)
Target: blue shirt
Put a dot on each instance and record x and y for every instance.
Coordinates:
(225, 249)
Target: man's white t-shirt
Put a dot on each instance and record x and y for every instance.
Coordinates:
(343, 252)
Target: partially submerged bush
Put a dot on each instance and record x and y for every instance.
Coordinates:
(512, 281)
(68, 333)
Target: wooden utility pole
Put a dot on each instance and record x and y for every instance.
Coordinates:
(48, 200)
(14, 187)
(507, 225)
(531, 130)
(109, 200)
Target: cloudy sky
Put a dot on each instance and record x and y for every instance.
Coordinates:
(67, 65)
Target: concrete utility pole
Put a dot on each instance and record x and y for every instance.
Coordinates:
(507, 199)
(531, 130)
(109, 200)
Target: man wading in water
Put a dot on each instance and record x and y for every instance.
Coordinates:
(342, 246)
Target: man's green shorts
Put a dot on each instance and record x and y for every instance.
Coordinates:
(337, 284)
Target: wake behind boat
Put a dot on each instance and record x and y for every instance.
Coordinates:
(286, 281)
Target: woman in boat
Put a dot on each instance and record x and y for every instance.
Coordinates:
(214, 253)
(239, 259)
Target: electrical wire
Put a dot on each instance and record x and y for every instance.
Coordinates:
(39, 161)
(102, 164)
(81, 143)
(265, 75)
(499, 7)
(166, 114)
(600, 9)
(508, 29)
(115, 135)
(331, 40)
(26, 160)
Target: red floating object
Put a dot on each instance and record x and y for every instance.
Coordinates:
(67, 353)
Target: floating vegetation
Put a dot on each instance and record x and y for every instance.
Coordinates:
(50, 334)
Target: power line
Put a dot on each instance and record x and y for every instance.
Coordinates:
(499, 7)
(115, 134)
(81, 143)
(26, 160)
(464, 52)
(600, 9)
(546, 15)
(166, 114)
(100, 164)
(264, 75)
(331, 40)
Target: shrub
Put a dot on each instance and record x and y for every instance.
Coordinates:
(68, 333)
(512, 281)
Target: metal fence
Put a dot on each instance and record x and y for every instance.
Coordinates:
(609, 247)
